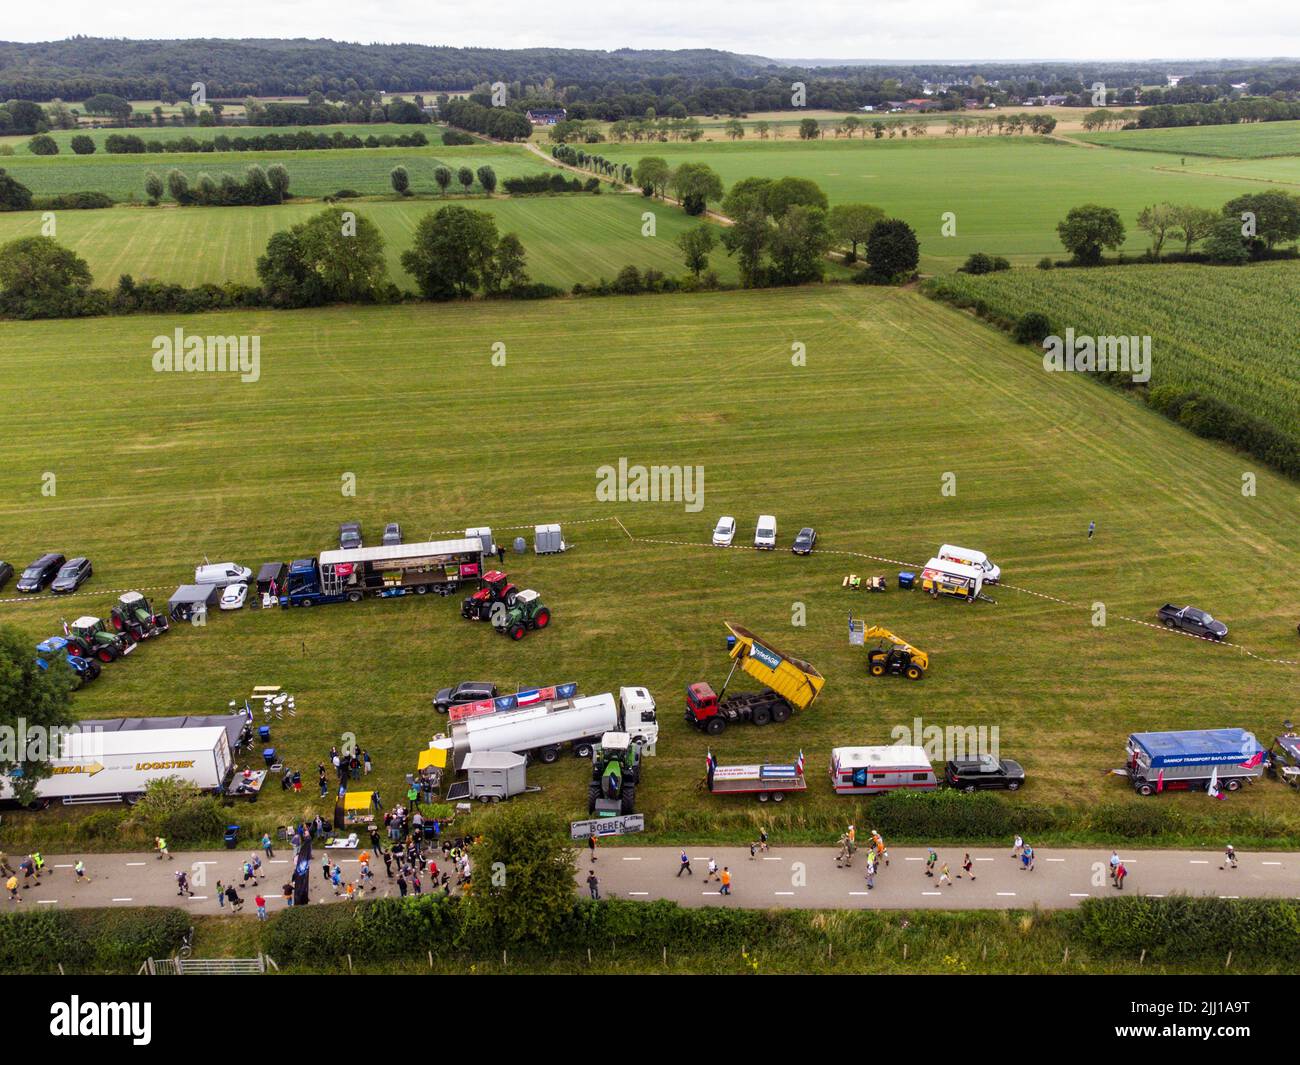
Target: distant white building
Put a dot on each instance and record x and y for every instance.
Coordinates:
(1174, 79)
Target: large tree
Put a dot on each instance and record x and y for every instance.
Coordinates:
(14, 195)
(747, 240)
(1086, 230)
(34, 706)
(788, 192)
(851, 223)
(452, 252)
(797, 245)
(695, 184)
(334, 256)
(1160, 220)
(40, 269)
(652, 173)
(1192, 224)
(696, 244)
(1276, 215)
(893, 252)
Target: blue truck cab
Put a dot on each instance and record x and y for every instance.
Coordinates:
(302, 585)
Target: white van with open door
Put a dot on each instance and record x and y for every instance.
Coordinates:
(967, 557)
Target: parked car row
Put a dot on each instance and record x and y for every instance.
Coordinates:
(61, 575)
(350, 536)
(724, 534)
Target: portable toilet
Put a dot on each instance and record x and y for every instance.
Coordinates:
(483, 534)
(521, 545)
(495, 775)
(546, 540)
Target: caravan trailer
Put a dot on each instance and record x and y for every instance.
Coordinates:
(876, 770)
(941, 577)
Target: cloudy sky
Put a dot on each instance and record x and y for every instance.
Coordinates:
(889, 29)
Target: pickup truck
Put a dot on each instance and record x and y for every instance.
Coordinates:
(971, 774)
(1191, 620)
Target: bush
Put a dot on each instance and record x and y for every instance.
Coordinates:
(455, 137)
(1045, 263)
(1031, 327)
(977, 263)
(1180, 927)
(43, 144)
(107, 940)
(72, 201)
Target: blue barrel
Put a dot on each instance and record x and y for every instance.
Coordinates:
(268, 754)
(906, 579)
(263, 732)
(731, 641)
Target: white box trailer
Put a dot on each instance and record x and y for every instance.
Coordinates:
(541, 731)
(95, 766)
(876, 770)
(942, 577)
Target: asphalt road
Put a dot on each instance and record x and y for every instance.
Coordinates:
(785, 877)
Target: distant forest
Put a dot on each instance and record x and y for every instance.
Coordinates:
(598, 84)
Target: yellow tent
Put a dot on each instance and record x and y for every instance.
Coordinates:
(432, 756)
(358, 800)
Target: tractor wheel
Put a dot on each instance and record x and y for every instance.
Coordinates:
(104, 655)
(627, 798)
(761, 715)
(93, 670)
(915, 673)
(778, 796)
(593, 793)
(715, 726)
(543, 619)
(354, 597)
(517, 631)
(780, 712)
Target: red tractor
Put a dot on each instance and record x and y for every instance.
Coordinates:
(496, 588)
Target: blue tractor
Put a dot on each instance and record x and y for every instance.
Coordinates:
(56, 648)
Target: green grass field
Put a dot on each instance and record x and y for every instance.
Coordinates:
(156, 471)
(1008, 193)
(311, 173)
(568, 238)
(63, 137)
(1254, 140)
(1226, 332)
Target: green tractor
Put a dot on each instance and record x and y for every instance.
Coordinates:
(615, 773)
(527, 612)
(134, 615)
(92, 638)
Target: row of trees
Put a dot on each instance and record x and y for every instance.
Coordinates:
(303, 140)
(1246, 227)
(400, 179)
(259, 187)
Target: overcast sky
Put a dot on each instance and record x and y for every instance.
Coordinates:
(843, 29)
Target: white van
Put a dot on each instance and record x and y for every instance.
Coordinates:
(221, 574)
(967, 557)
(725, 532)
(765, 534)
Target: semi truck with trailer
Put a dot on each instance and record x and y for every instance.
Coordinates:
(768, 781)
(92, 765)
(1188, 760)
(439, 566)
(789, 683)
(542, 730)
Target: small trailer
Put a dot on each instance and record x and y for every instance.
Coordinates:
(492, 776)
(1188, 760)
(789, 683)
(766, 782)
(876, 770)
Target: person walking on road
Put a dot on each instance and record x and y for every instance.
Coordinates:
(221, 895)
(762, 840)
(711, 873)
(871, 873)
(260, 903)
(266, 845)
(1017, 847)
(232, 896)
(593, 885)
(685, 866)
(930, 861)
(591, 847)
(726, 882)
(38, 860)
(183, 883)
(1120, 874)
(12, 886)
(1229, 858)
(325, 867)
(1114, 864)
(944, 876)
(968, 866)
(160, 846)
(1027, 859)
(82, 877)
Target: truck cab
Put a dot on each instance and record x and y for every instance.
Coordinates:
(303, 586)
(640, 720)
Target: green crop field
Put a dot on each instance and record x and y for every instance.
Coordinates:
(1230, 333)
(311, 173)
(1254, 140)
(568, 238)
(63, 137)
(1007, 193)
(900, 396)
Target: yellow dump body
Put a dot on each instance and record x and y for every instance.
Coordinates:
(792, 678)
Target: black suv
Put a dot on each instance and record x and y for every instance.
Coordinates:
(969, 774)
(350, 535)
(468, 691)
(40, 573)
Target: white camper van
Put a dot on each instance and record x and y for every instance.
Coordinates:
(876, 770)
(967, 557)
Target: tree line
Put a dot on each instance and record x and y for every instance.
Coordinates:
(303, 140)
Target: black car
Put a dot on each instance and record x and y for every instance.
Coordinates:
(392, 534)
(803, 543)
(40, 573)
(72, 575)
(350, 535)
(1191, 620)
(468, 691)
(970, 774)
(6, 571)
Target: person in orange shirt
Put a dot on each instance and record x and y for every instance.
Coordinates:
(726, 881)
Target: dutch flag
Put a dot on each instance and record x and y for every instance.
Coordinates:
(799, 764)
